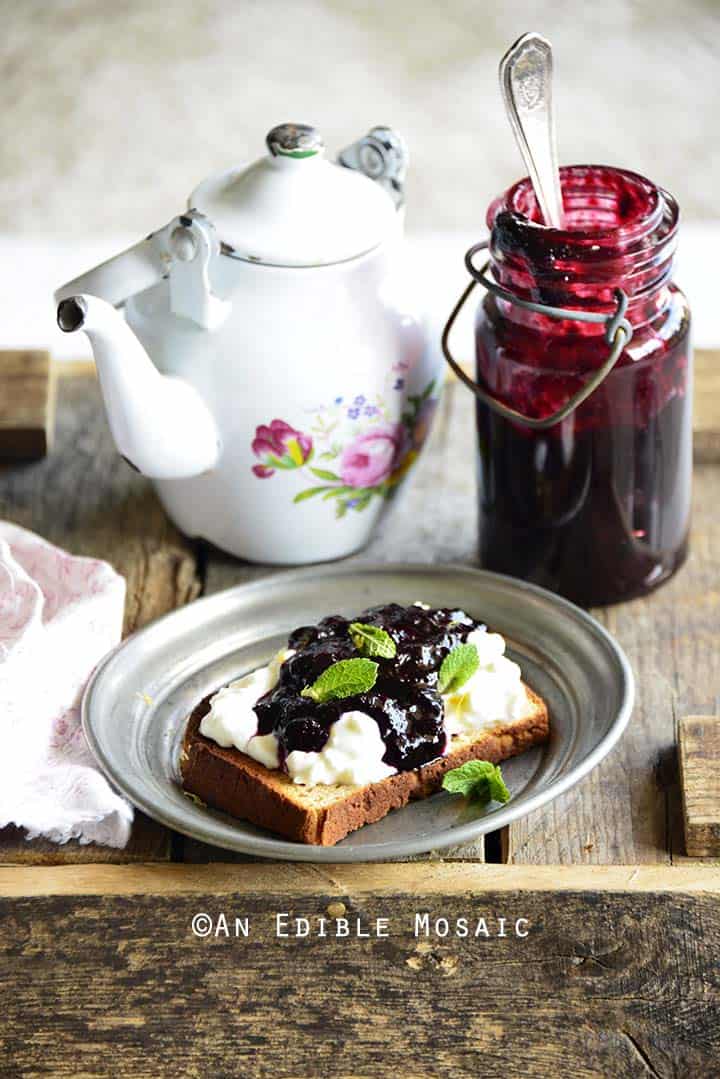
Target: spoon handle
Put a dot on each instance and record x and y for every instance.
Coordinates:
(526, 85)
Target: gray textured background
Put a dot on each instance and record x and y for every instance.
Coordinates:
(113, 111)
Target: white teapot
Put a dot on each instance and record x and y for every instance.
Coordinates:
(290, 386)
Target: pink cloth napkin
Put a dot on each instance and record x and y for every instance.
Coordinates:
(59, 615)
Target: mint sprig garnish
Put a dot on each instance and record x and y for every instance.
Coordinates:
(345, 678)
(480, 781)
(457, 667)
(372, 640)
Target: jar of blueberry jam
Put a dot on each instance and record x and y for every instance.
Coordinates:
(585, 493)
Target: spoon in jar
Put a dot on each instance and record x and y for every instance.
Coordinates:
(526, 85)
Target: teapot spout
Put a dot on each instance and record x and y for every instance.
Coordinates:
(161, 424)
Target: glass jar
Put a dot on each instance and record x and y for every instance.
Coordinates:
(596, 506)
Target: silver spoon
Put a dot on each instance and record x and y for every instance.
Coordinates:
(526, 85)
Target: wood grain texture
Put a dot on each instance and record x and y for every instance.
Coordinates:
(305, 878)
(86, 499)
(706, 406)
(27, 404)
(119, 986)
(149, 842)
(699, 755)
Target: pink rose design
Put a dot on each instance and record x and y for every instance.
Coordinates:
(279, 445)
(371, 457)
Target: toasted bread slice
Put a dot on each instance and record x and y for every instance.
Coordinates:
(229, 780)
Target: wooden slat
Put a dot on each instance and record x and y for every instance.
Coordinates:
(611, 983)
(84, 498)
(27, 404)
(380, 879)
(699, 753)
(149, 842)
(706, 413)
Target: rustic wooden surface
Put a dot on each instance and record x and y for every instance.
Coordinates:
(84, 498)
(118, 985)
(699, 754)
(27, 404)
(306, 879)
(628, 811)
(100, 973)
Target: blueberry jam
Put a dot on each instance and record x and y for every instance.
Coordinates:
(404, 700)
(597, 506)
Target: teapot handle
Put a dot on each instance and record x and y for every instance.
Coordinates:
(181, 251)
(194, 245)
(123, 275)
(382, 155)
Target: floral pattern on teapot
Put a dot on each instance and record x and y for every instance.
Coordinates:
(353, 447)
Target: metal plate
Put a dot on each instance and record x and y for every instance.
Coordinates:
(137, 702)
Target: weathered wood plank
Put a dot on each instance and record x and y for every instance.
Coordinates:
(706, 406)
(100, 985)
(149, 842)
(699, 757)
(84, 498)
(27, 404)
(380, 879)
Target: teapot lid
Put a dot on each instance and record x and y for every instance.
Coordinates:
(295, 208)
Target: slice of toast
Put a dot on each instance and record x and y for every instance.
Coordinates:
(229, 780)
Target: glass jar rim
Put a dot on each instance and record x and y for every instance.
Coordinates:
(623, 234)
(638, 205)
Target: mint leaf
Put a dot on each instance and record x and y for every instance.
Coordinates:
(343, 679)
(480, 781)
(457, 667)
(372, 641)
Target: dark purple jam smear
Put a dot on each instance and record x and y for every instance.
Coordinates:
(404, 700)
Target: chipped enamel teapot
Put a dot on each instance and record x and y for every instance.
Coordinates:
(268, 371)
